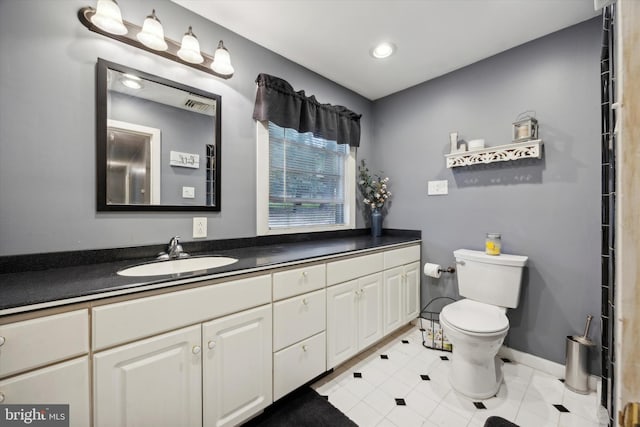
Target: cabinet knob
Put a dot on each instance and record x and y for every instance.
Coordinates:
(305, 274)
(2, 341)
(305, 347)
(196, 349)
(305, 301)
(1, 397)
(211, 345)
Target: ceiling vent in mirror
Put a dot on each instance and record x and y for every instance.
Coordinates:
(201, 105)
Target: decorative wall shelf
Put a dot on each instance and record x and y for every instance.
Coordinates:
(501, 153)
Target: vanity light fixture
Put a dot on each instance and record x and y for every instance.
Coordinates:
(383, 50)
(190, 48)
(106, 19)
(152, 34)
(222, 61)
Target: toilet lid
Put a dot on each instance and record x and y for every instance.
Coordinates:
(474, 316)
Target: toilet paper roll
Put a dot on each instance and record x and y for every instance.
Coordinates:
(432, 270)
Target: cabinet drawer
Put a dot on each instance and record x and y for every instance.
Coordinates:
(352, 268)
(37, 342)
(397, 257)
(297, 318)
(65, 383)
(298, 364)
(143, 317)
(298, 281)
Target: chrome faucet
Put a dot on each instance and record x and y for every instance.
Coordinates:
(174, 250)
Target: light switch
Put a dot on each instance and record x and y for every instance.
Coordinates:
(188, 192)
(199, 227)
(438, 188)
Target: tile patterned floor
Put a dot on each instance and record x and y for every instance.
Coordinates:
(400, 383)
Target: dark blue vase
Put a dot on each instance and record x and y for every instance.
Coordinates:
(376, 223)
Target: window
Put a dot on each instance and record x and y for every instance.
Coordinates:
(305, 183)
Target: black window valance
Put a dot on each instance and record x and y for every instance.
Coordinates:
(277, 102)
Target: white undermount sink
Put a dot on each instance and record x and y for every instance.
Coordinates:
(176, 266)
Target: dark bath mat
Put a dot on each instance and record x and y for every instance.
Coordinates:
(495, 421)
(302, 408)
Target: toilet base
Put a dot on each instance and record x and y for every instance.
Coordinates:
(475, 380)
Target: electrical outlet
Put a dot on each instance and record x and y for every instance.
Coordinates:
(199, 227)
(438, 188)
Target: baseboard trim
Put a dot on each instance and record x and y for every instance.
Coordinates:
(544, 365)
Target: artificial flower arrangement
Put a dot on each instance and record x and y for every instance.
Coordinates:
(373, 187)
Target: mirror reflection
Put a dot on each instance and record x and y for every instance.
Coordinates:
(158, 143)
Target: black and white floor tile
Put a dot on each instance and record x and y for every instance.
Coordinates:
(400, 383)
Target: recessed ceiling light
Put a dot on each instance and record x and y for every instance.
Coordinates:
(383, 50)
(131, 81)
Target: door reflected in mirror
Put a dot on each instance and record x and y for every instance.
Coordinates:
(158, 143)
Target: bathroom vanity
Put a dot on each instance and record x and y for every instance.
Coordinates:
(210, 348)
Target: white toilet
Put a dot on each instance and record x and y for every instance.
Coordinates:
(476, 326)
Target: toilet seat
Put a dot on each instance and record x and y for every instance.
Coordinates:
(475, 318)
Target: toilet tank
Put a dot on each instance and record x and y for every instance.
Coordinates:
(492, 279)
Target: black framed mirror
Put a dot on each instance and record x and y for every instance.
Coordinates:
(158, 143)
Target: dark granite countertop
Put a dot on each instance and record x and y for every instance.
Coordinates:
(47, 286)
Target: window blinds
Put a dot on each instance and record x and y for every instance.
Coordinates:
(306, 179)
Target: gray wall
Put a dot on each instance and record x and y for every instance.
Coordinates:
(546, 209)
(47, 125)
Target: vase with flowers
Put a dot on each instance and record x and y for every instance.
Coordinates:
(375, 193)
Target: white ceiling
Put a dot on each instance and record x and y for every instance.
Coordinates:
(433, 37)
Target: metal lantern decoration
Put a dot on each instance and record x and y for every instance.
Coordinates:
(525, 129)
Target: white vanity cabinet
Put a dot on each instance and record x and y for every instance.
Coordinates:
(156, 381)
(299, 324)
(213, 353)
(401, 286)
(237, 367)
(44, 361)
(354, 317)
(216, 372)
(368, 297)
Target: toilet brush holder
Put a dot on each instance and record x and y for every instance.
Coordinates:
(576, 376)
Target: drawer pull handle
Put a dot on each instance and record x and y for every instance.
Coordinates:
(305, 348)
(196, 349)
(2, 341)
(305, 301)
(1, 397)
(211, 344)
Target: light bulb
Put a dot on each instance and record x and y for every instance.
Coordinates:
(190, 49)
(222, 61)
(152, 34)
(109, 18)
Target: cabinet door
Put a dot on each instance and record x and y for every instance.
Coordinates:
(153, 382)
(342, 323)
(63, 383)
(393, 299)
(411, 305)
(237, 367)
(370, 325)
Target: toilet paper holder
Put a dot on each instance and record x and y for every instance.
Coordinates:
(447, 270)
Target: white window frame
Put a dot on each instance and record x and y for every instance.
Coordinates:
(262, 190)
